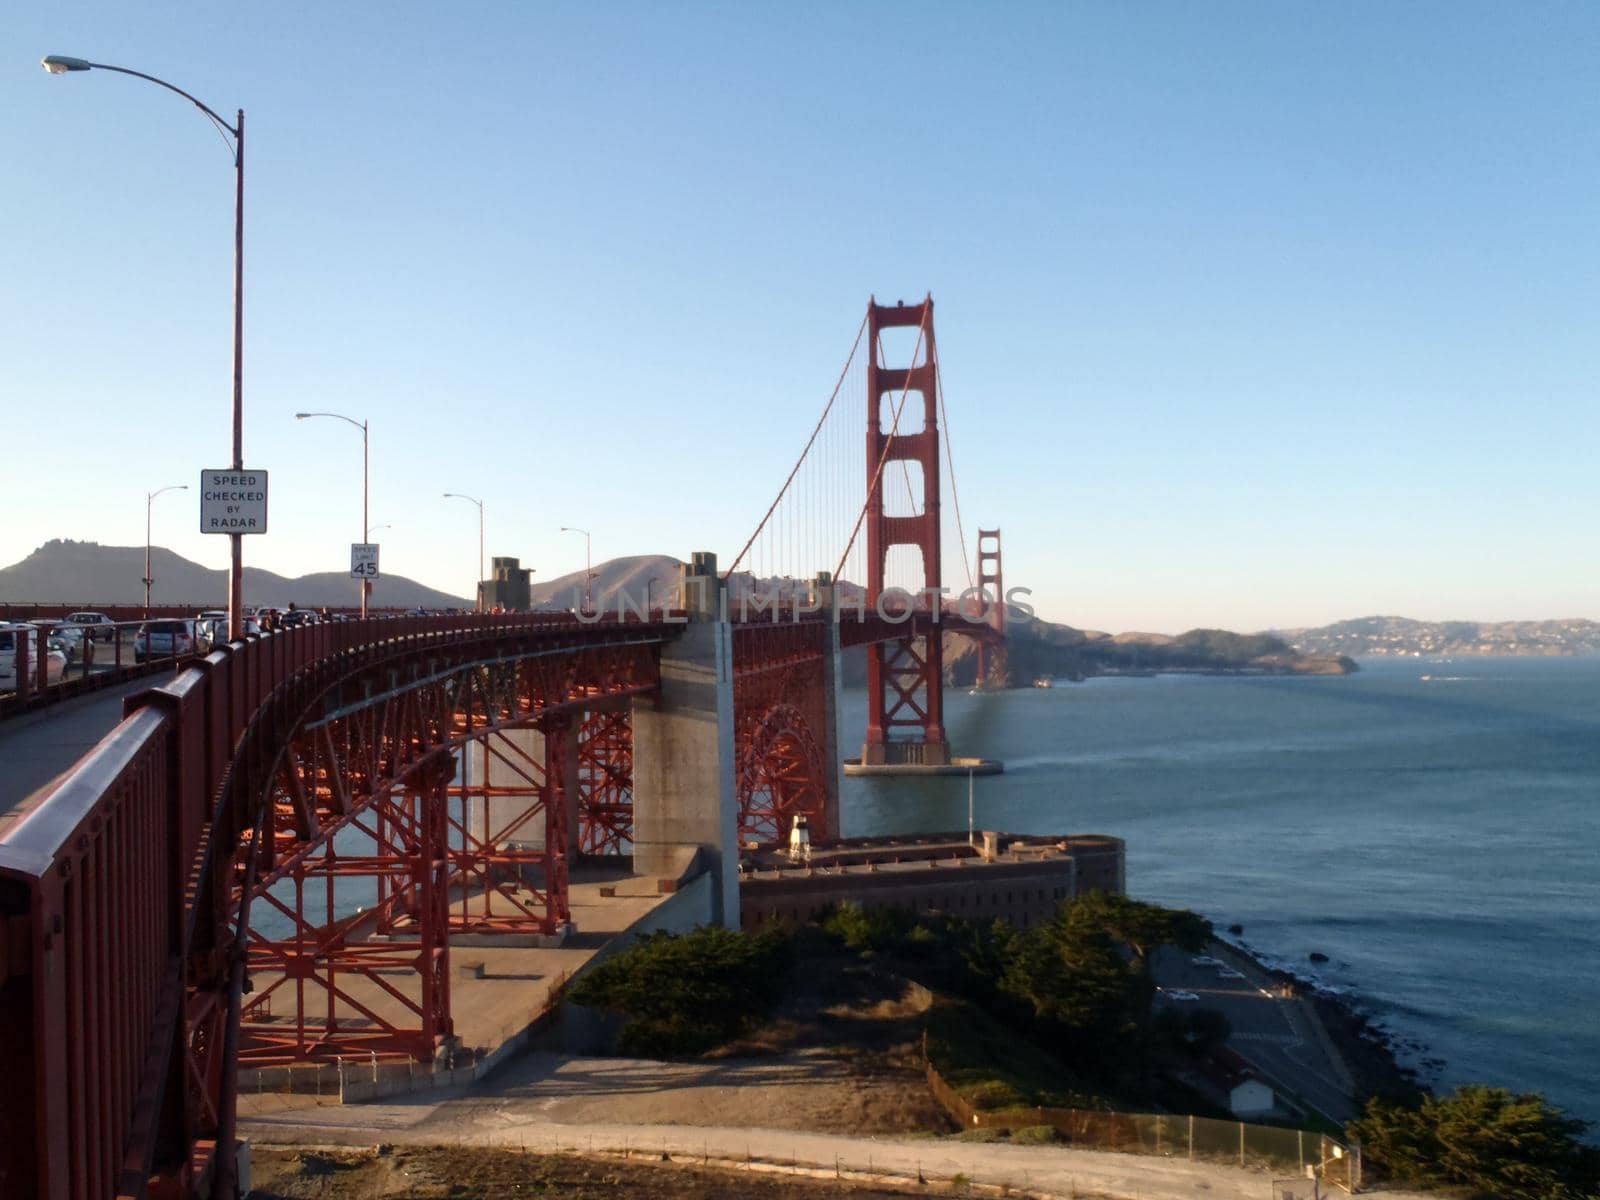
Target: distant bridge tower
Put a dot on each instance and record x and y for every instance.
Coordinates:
(993, 669)
(904, 677)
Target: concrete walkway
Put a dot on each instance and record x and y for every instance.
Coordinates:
(36, 749)
(485, 1118)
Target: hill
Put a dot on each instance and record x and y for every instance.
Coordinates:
(1401, 635)
(1043, 648)
(642, 578)
(89, 575)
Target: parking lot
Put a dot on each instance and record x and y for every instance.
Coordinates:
(1273, 1032)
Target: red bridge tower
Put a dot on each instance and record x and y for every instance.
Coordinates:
(993, 670)
(904, 677)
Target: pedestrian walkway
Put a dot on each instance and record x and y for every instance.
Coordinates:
(36, 749)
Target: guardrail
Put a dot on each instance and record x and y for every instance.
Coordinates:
(99, 923)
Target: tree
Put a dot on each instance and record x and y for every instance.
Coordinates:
(684, 994)
(1515, 1146)
(1139, 926)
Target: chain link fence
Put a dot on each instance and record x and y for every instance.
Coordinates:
(1310, 1154)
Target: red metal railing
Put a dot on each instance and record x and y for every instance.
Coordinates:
(99, 923)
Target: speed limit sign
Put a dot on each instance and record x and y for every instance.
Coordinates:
(363, 560)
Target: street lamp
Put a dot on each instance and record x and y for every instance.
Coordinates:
(148, 498)
(366, 459)
(477, 604)
(588, 568)
(59, 64)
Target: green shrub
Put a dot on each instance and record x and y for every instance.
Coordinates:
(1516, 1147)
(989, 1066)
(994, 1093)
(685, 994)
(981, 1135)
(1036, 1135)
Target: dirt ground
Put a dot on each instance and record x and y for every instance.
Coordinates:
(434, 1173)
(840, 1056)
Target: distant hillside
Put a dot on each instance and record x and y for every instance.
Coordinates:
(1043, 648)
(88, 574)
(1401, 635)
(645, 578)
(1036, 647)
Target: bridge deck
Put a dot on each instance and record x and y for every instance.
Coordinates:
(38, 748)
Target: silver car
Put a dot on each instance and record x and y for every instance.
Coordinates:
(94, 624)
(166, 638)
(10, 636)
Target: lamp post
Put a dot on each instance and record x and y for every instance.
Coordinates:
(149, 497)
(366, 460)
(58, 64)
(477, 603)
(588, 568)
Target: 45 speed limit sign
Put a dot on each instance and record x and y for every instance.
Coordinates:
(363, 560)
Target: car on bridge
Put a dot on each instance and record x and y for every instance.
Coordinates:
(94, 624)
(66, 638)
(10, 637)
(164, 639)
(210, 629)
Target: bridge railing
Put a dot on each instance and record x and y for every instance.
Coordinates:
(94, 892)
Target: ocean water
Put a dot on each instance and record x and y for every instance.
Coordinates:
(1438, 838)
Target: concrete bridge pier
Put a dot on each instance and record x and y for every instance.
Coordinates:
(684, 801)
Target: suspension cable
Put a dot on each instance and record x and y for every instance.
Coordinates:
(809, 441)
(950, 458)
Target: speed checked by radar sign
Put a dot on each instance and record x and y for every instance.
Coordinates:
(233, 500)
(363, 560)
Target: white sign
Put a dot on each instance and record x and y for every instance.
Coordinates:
(363, 560)
(233, 501)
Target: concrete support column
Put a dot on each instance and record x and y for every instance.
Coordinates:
(684, 803)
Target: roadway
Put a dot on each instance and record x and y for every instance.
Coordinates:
(1278, 1035)
(38, 748)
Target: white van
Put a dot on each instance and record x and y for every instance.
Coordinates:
(9, 637)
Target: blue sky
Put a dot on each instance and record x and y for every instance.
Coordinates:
(1249, 314)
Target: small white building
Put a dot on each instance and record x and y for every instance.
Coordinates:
(1249, 1097)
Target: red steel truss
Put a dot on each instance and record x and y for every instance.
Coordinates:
(905, 683)
(509, 840)
(605, 781)
(382, 848)
(779, 710)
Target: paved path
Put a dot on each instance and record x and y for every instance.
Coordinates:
(490, 1116)
(37, 748)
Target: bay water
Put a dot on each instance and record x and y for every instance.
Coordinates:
(1432, 826)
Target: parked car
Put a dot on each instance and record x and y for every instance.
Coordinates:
(210, 629)
(68, 639)
(95, 624)
(169, 638)
(10, 636)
